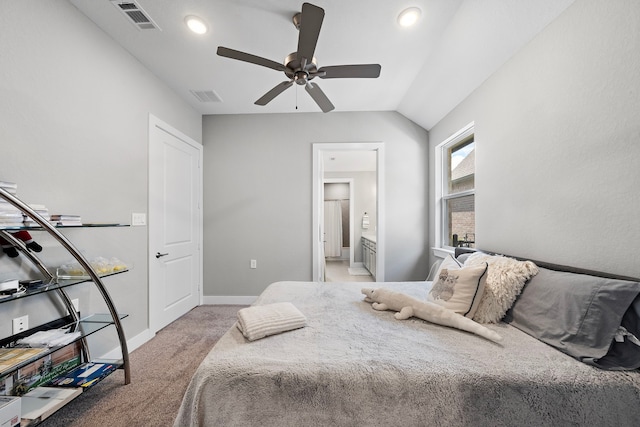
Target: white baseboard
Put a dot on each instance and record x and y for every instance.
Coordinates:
(228, 300)
(132, 344)
(146, 335)
(358, 265)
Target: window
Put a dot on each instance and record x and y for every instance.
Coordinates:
(455, 188)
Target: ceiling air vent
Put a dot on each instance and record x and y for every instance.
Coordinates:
(135, 14)
(206, 95)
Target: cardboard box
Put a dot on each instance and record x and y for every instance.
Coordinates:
(9, 411)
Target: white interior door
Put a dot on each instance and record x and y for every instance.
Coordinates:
(175, 224)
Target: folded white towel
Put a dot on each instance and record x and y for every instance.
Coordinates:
(263, 320)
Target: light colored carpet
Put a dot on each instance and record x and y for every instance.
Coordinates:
(160, 372)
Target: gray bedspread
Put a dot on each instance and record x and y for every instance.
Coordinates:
(354, 366)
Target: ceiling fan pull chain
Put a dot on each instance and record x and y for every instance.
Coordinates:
(296, 97)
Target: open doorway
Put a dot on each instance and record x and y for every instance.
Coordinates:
(362, 165)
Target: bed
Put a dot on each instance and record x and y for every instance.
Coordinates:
(355, 366)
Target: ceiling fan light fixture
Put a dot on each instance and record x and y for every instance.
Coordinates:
(196, 24)
(409, 16)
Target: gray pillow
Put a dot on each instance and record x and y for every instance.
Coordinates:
(624, 353)
(578, 314)
(463, 257)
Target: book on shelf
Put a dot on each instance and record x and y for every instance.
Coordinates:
(9, 187)
(84, 375)
(10, 216)
(7, 207)
(12, 357)
(40, 210)
(10, 411)
(41, 402)
(66, 219)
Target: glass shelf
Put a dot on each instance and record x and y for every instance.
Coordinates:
(88, 225)
(88, 325)
(54, 284)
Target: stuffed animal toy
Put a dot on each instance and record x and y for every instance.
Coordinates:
(407, 306)
(23, 235)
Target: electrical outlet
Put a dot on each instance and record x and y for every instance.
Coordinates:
(76, 304)
(254, 263)
(20, 324)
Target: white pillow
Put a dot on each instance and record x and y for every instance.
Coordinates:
(458, 288)
(505, 279)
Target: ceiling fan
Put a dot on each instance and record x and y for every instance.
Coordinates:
(301, 67)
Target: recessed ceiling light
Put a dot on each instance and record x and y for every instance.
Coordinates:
(195, 24)
(409, 16)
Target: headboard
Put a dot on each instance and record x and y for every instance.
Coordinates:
(551, 266)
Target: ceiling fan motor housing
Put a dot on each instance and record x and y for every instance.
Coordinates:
(295, 71)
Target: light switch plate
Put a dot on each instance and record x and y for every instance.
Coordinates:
(138, 219)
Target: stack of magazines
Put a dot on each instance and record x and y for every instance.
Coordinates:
(40, 210)
(9, 187)
(84, 376)
(10, 216)
(66, 220)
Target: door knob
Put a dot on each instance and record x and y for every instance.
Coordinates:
(158, 254)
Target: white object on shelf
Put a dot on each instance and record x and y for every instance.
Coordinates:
(50, 338)
(41, 402)
(9, 411)
(10, 285)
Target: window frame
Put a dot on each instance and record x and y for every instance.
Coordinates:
(441, 186)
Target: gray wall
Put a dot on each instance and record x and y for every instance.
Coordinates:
(258, 195)
(558, 152)
(74, 112)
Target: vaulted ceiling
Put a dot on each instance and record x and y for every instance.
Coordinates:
(427, 69)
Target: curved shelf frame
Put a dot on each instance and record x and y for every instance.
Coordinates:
(27, 210)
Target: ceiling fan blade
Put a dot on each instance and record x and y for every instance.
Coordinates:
(267, 97)
(318, 95)
(310, 24)
(364, 71)
(252, 59)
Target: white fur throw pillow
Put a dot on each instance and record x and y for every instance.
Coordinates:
(505, 279)
(458, 288)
